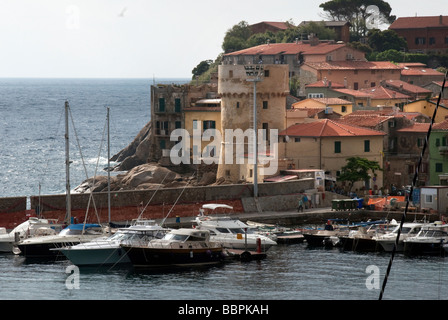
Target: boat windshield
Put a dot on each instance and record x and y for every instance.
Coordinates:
(176, 237)
(432, 233)
(237, 230)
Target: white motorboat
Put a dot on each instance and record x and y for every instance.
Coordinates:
(43, 247)
(230, 232)
(429, 241)
(178, 248)
(387, 241)
(32, 227)
(108, 250)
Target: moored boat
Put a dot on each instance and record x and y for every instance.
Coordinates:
(230, 232)
(388, 240)
(429, 241)
(179, 248)
(107, 250)
(32, 227)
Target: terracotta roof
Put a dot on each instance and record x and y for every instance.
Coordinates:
(351, 92)
(406, 71)
(420, 22)
(364, 120)
(278, 25)
(441, 125)
(288, 48)
(331, 101)
(311, 112)
(353, 65)
(399, 84)
(328, 128)
(324, 84)
(416, 127)
(380, 92)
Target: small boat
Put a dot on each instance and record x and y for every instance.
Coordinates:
(388, 240)
(178, 248)
(107, 250)
(231, 233)
(324, 237)
(363, 239)
(43, 247)
(429, 241)
(277, 233)
(32, 227)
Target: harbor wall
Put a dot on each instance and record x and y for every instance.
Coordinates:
(157, 204)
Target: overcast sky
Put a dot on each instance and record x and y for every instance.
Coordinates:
(139, 38)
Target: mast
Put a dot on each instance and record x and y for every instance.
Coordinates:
(108, 165)
(67, 168)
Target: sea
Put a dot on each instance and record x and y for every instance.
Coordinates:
(32, 161)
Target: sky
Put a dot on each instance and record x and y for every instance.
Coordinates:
(139, 38)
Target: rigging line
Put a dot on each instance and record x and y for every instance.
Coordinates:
(161, 183)
(414, 180)
(163, 221)
(84, 165)
(94, 177)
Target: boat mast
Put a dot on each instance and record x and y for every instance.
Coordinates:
(108, 165)
(67, 168)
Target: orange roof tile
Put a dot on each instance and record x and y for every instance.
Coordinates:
(380, 92)
(419, 22)
(353, 65)
(328, 128)
(288, 48)
(421, 72)
(441, 125)
(324, 84)
(399, 84)
(416, 127)
(364, 120)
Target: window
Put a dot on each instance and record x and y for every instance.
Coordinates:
(266, 73)
(230, 73)
(315, 95)
(296, 139)
(265, 104)
(420, 142)
(428, 198)
(439, 167)
(446, 40)
(420, 40)
(355, 86)
(195, 124)
(177, 105)
(337, 147)
(366, 145)
(343, 109)
(437, 142)
(265, 130)
(162, 144)
(178, 124)
(237, 104)
(432, 40)
(372, 84)
(391, 124)
(162, 104)
(209, 124)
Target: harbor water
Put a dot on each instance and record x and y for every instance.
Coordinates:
(32, 155)
(290, 272)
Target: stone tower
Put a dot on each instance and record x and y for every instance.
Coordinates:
(237, 109)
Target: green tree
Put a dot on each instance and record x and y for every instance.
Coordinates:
(317, 28)
(202, 67)
(236, 37)
(385, 40)
(358, 169)
(357, 12)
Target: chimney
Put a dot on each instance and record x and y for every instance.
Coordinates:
(314, 41)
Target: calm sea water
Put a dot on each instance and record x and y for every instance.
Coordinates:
(293, 272)
(32, 153)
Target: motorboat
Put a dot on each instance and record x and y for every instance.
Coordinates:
(363, 237)
(277, 233)
(184, 247)
(32, 227)
(232, 233)
(44, 246)
(326, 236)
(107, 250)
(429, 241)
(388, 240)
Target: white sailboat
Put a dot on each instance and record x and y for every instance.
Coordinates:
(43, 247)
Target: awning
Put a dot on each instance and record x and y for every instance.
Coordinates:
(281, 178)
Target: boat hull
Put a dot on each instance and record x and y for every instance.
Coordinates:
(359, 244)
(143, 257)
(44, 250)
(6, 247)
(424, 248)
(96, 257)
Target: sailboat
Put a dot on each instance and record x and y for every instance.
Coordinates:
(43, 247)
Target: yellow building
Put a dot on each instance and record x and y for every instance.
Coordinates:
(326, 144)
(427, 107)
(340, 106)
(204, 114)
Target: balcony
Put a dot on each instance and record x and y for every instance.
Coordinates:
(443, 150)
